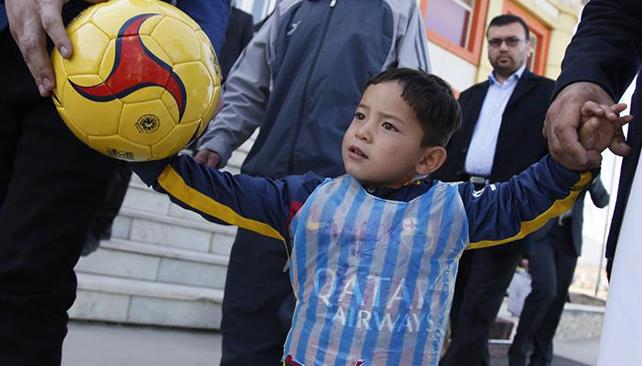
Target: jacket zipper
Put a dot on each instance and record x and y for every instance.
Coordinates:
(299, 122)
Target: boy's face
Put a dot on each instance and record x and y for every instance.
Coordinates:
(382, 146)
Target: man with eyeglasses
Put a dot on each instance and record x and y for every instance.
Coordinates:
(501, 136)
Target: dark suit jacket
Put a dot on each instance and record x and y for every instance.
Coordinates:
(240, 30)
(606, 50)
(520, 142)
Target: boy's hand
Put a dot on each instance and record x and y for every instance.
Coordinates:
(208, 157)
(601, 127)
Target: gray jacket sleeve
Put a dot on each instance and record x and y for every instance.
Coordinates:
(412, 47)
(245, 96)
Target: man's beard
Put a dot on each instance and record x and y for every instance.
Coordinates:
(505, 69)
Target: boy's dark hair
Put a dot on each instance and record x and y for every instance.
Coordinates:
(509, 19)
(432, 100)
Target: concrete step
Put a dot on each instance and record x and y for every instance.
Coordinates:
(192, 234)
(152, 262)
(109, 299)
(142, 198)
(144, 211)
(578, 321)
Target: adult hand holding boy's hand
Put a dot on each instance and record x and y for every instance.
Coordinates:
(208, 157)
(30, 21)
(597, 132)
(564, 119)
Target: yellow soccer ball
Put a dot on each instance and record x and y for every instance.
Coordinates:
(143, 80)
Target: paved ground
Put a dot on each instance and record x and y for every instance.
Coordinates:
(584, 350)
(97, 344)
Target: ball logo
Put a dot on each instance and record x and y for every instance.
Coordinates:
(147, 123)
(135, 67)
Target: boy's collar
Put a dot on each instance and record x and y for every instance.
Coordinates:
(386, 191)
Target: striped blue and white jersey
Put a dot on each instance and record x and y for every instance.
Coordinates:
(373, 278)
(373, 271)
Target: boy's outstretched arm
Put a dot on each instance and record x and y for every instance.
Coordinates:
(508, 211)
(262, 205)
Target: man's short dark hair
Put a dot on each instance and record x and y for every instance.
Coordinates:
(432, 100)
(509, 19)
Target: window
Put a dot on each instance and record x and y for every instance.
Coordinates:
(453, 21)
(539, 36)
(456, 25)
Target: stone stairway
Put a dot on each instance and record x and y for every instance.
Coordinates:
(163, 265)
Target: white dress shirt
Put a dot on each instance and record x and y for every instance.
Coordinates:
(481, 151)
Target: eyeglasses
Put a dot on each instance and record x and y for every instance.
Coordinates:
(510, 42)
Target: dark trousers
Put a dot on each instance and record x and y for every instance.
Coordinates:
(551, 265)
(478, 296)
(101, 223)
(258, 302)
(116, 190)
(50, 184)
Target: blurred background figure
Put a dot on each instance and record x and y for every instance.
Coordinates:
(518, 289)
(500, 137)
(552, 259)
(240, 30)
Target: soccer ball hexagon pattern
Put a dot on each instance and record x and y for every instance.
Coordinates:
(143, 80)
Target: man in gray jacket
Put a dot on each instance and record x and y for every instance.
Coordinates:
(299, 80)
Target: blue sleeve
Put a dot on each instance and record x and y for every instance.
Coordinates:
(3, 18)
(211, 15)
(505, 212)
(262, 205)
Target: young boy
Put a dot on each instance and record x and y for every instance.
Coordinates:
(374, 252)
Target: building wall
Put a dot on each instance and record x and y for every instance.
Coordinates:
(457, 71)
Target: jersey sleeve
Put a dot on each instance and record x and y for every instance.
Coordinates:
(508, 211)
(262, 205)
